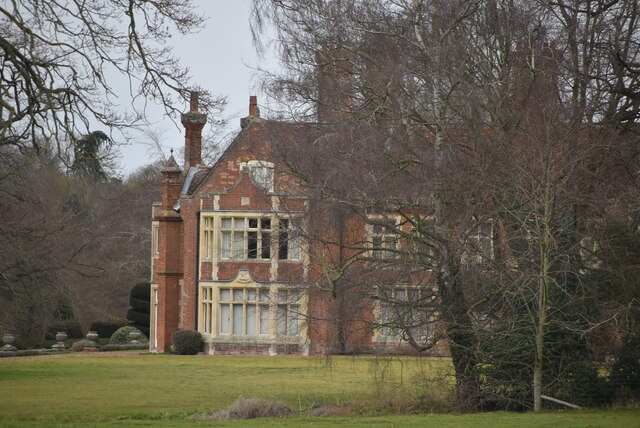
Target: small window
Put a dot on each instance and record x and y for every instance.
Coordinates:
(207, 238)
(155, 240)
(383, 240)
(261, 173)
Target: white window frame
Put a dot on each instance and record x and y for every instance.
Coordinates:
(382, 241)
(264, 312)
(238, 234)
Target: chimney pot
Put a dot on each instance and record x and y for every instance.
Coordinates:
(253, 106)
(194, 101)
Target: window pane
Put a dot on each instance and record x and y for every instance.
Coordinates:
(238, 245)
(237, 319)
(252, 245)
(283, 249)
(251, 319)
(293, 320)
(294, 248)
(224, 295)
(400, 294)
(294, 296)
(266, 246)
(281, 320)
(264, 296)
(264, 319)
(238, 223)
(226, 223)
(251, 295)
(282, 296)
(265, 223)
(224, 319)
(238, 295)
(225, 251)
(253, 223)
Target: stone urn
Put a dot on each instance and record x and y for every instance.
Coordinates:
(91, 345)
(61, 336)
(134, 336)
(8, 339)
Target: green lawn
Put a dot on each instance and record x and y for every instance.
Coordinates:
(143, 390)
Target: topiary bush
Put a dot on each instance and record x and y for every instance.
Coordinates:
(121, 336)
(79, 345)
(139, 300)
(186, 342)
(71, 327)
(106, 328)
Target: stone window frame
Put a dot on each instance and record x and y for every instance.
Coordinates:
(211, 236)
(383, 244)
(266, 311)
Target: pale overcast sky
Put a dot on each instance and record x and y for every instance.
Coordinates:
(222, 59)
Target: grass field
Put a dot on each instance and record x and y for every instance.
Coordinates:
(145, 390)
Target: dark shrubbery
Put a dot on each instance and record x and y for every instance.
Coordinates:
(588, 388)
(186, 342)
(140, 303)
(625, 373)
(121, 336)
(125, 347)
(108, 327)
(71, 327)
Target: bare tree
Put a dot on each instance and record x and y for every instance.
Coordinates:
(60, 62)
(459, 118)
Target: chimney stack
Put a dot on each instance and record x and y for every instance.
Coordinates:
(171, 183)
(254, 112)
(193, 123)
(334, 85)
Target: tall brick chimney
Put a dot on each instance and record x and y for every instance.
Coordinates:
(193, 122)
(334, 85)
(254, 111)
(171, 183)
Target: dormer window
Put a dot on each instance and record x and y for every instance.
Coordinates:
(261, 173)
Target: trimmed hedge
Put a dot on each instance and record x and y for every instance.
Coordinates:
(186, 342)
(142, 291)
(139, 300)
(71, 327)
(126, 347)
(140, 305)
(108, 327)
(121, 336)
(138, 319)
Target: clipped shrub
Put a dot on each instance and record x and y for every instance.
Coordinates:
(125, 347)
(186, 342)
(138, 318)
(141, 291)
(79, 345)
(140, 297)
(251, 408)
(121, 336)
(71, 327)
(106, 328)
